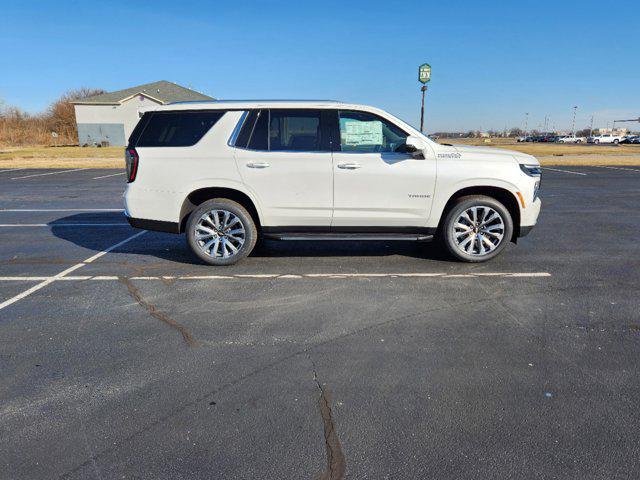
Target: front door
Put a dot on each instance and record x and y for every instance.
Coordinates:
(377, 184)
(285, 159)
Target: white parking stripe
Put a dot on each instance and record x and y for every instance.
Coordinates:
(278, 276)
(564, 171)
(9, 225)
(107, 176)
(61, 210)
(618, 168)
(12, 170)
(62, 274)
(50, 173)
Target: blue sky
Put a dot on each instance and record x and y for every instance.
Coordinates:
(492, 61)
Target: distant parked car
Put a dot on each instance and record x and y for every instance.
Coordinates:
(607, 138)
(628, 138)
(571, 139)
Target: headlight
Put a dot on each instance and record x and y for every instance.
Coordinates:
(531, 170)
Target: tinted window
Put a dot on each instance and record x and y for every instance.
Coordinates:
(177, 129)
(365, 132)
(297, 130)
(247, 128)
(259, 137)
(135, 135)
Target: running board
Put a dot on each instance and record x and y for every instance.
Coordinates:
(350, 236)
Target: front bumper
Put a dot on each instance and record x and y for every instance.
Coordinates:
(529, 217)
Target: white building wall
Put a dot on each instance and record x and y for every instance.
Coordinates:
(101, 118)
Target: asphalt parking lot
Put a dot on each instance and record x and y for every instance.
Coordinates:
(121, 356)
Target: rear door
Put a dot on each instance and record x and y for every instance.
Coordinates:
(376, 183)
(284, 157)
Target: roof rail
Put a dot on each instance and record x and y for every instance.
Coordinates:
(287, 100)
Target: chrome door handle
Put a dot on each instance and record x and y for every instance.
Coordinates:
(349, 166)
(257, 164)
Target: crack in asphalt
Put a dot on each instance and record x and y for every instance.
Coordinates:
(236, 381)
(155, 313)
(336, 464)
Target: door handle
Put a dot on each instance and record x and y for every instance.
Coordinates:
(349, 166)
(257, 164)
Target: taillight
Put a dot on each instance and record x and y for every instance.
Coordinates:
(131, 160)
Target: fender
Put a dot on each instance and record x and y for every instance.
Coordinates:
(214, 182)
(444, 192)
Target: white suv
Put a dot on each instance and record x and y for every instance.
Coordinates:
(227, 172)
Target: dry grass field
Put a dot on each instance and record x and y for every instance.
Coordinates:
(113, 157)
(561, 154)
(61, 157)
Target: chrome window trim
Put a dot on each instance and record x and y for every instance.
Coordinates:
(236, 130)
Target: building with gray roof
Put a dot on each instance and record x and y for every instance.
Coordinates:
(109, 118)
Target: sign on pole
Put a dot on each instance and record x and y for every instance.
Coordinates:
(424, 73)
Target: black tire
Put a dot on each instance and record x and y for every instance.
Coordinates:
(222, 205)
(448, 232)
(616, 141)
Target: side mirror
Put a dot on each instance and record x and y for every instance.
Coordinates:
(414, 146)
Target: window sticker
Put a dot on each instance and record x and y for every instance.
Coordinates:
(355, 132)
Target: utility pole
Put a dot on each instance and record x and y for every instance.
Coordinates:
(573, 125)
(424, 75)
(526, 122)
(591, 127)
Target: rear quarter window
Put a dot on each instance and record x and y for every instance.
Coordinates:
(174, 129)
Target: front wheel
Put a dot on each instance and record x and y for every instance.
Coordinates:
(221, 232)
(476, 228)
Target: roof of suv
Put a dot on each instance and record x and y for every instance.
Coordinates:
(247, 104)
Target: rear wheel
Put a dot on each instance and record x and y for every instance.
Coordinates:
(221, 232)
(476, 229)
(616, 141)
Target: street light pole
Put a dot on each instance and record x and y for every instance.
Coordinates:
(573, 126)
(591, 127)
(526, 123)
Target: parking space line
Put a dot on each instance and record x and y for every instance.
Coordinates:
(50, 173)
(564, 171)
(61, 210)
(10, 225)
(62, 274)
(278, 276)
(107, 176)
(618, 168)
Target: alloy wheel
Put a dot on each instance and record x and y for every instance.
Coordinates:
(478, 230)
(219, 234)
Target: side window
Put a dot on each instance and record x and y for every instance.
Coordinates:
(247, 127)
(176, 129)
(259, 137)
(366, 132)
(296, 130)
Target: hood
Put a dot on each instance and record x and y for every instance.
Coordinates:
(495, 154)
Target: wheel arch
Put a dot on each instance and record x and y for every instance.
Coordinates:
(200, 195)
(504, 196)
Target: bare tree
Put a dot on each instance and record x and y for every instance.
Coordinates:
(61, 116)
